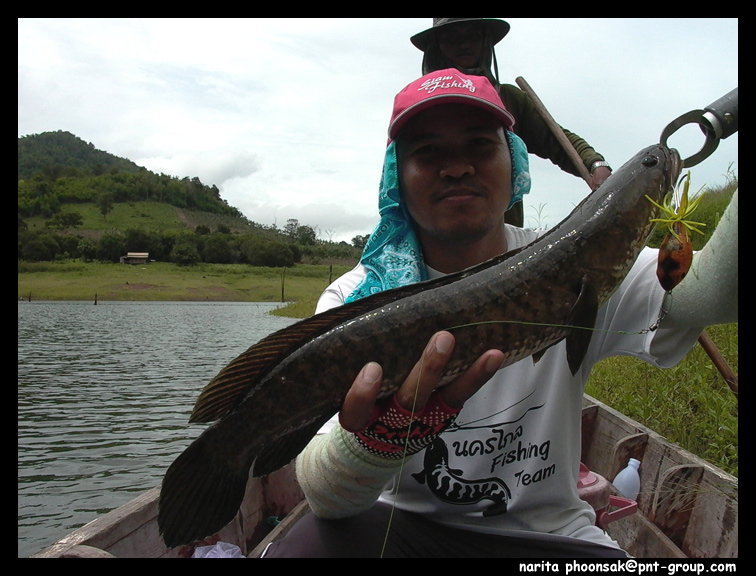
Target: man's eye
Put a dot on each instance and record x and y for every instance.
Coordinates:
(425, 150)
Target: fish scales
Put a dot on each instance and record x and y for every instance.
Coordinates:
(273, 398)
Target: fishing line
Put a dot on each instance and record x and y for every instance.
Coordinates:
(403, 459)
(548, 325)
(662, 314)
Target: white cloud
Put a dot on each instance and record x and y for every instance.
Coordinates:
(288, 116)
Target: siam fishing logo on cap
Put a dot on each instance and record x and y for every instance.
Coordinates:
(441, 82)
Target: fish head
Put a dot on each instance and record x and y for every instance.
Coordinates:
(651, 172)
(615, 219)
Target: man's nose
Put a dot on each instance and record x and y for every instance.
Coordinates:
(456, 167)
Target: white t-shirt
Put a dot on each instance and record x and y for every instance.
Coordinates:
(510, 461)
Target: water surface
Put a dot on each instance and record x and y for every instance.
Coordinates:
(104, 395)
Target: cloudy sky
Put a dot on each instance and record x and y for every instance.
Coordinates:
(288, 117)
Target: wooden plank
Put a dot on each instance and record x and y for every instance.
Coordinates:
(105, 531)
(713, 526)
(631, 446)
(587, 427)
(642, 539)
(83, 551)
(675, 499)
(281, 529)
(701, 517)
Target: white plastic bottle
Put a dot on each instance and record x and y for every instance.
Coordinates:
(627, 482)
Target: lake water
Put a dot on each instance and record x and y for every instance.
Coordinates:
(104, 396)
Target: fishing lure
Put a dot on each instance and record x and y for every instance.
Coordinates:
(676, 249)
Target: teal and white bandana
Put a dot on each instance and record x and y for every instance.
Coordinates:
(392, 255)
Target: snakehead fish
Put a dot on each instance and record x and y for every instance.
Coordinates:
(271, 400)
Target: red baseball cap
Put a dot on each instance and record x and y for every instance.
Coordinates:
(448, 86)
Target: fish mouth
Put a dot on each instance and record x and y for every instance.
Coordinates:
(675, 165)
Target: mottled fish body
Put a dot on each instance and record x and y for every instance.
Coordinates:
(272, 399)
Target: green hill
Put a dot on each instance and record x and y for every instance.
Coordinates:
(61, 151)
(75, 201)
(56, 168)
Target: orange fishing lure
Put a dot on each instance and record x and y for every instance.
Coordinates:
(676, 249)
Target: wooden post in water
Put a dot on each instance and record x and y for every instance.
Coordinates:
(95, 303)
(283, 278)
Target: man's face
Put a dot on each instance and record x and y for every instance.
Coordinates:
(462, 44)
(455, 172)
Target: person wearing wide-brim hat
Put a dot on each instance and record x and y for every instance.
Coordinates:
(467, 44)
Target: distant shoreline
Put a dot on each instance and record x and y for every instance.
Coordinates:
(76, 281)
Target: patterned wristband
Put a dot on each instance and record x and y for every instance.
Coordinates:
(391, 429)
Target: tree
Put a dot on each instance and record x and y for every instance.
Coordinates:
(291, 228)
(218, 250)
(185, 252)
(69, 245)
(64, 220)
(36, 251)
(259, 251)
(110, 248)
(87, 249)
(105, 203)
(306, 235)
(37, 197)
(360, 241)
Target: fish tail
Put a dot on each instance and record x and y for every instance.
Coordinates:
(201, 493)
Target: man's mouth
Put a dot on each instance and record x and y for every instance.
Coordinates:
(458, 193)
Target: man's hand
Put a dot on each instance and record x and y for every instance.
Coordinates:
(599, 175)
(360, 410)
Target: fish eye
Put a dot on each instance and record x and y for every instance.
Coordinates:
(649, 161)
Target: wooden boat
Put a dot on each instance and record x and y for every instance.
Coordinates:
(686, 507)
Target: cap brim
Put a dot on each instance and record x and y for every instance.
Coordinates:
(497, 29)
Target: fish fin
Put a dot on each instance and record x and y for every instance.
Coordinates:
(284, 449)
(496, 509)
(232, 384)
(239, 378)
(580, 322)
(538, 355)
(419, 477)
(200, 494)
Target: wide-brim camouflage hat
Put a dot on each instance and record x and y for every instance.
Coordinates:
(497, 29)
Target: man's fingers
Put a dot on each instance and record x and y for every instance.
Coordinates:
(417, 388)
(360, 399)
(423, 379)
(463, 388)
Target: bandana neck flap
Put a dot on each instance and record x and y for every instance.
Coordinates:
(392, 255)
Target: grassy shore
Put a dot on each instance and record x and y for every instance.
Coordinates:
(690, 404)
(158, 281)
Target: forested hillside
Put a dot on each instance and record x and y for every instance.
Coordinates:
(75, 201)
(57, 168)
(39, 152)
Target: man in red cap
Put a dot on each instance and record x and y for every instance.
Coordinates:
(486, 465)
(468, 45)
